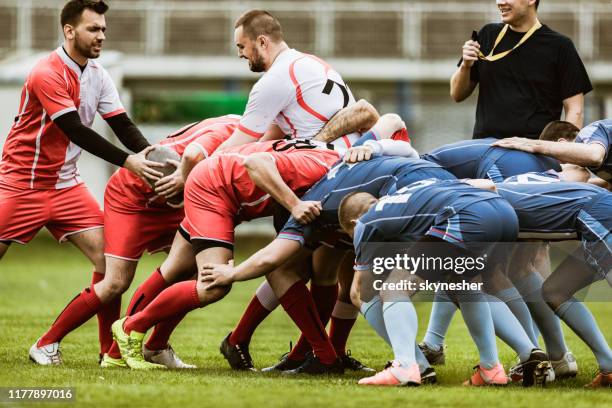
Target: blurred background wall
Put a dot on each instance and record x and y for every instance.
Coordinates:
(175, 61)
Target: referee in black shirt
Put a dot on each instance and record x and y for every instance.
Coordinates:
(527, 74)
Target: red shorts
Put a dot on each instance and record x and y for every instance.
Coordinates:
(130, 227)
(210, 213)
(66, 211)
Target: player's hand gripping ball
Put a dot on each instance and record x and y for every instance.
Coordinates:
(162, 155)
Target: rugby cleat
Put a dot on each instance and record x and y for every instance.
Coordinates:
(314, 366)
(566, 367)
(285, 363)
(601, 380)
(482, 376)
(394, 374)
(130, 346)
(353, 364)
(433, 356)
(536, 370)
(429, 376)
(110, 362)
(516, 372)
(237, 356)
(166, 357)
(46, 355)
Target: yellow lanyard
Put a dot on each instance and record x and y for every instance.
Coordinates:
(501, 35)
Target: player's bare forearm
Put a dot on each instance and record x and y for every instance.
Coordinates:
(266, 259)
(358, 117)
(265, 175)
(587, 155)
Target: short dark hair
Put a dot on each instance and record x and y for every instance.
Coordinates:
(537, 4)
(259, 22)
(559, 129)
(72, 11)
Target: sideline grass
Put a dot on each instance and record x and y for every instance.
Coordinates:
(36, 282)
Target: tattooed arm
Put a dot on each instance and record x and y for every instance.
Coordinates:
(358, 117)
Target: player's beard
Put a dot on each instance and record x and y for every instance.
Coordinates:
(86, 49)
(256, 62)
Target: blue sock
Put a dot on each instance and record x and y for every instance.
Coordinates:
(402, 324)
(477, 316)
(576, 315)
(509, 330)
(512, 298)
(530, 287)
(442, 312)
(372, 311)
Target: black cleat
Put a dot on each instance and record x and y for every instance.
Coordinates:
(435, 357)
(536, 368)
(353, 364)
(429, 376)
(314, 366)
(237, 356)
(284, 364)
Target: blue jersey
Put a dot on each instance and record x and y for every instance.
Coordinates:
(412, 211)
(599, 132)
(478, 159)
(551, 210)
(378, 176)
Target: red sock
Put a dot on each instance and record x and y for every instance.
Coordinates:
(107, 314)
(83, 307)
(343, 318)
(339, 333)
(254, 314)
(178, 299)
(299, 305)
(161, 333)
(145, 293)
(324, 298)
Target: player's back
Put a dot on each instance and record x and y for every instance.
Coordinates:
(300, 164)
(548, 208)
(408, 214)
(498, 163)
(299, 93)
(215, 130)
(460, 158)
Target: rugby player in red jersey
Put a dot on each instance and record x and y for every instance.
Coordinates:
(40, 184)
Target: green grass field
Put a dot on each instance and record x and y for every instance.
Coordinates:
(36, 282)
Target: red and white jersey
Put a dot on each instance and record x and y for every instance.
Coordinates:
(300, 168)
(299, 93)
(206, 135)
(37, 154)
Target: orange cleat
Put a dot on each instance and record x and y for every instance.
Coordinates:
(601, 380)
(393, 374)
(482, 376)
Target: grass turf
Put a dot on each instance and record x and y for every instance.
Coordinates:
(38, 280)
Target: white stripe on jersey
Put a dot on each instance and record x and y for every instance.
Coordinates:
(60, 113)
(403, 217)
(37, 153)
(258, 201)
(537, 195)
(25, 103)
